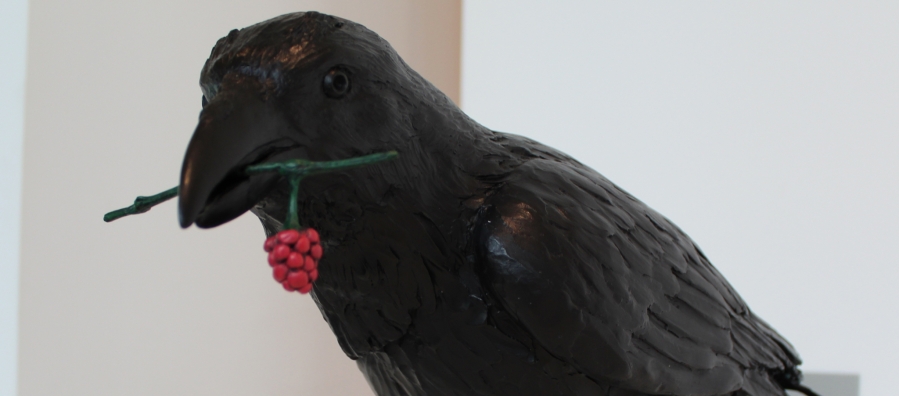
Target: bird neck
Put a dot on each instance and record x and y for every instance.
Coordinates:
(445, 155)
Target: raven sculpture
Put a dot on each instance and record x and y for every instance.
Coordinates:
(478, 262)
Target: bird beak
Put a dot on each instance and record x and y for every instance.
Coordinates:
(239, 127)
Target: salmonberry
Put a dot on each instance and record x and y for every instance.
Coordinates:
(293, 256)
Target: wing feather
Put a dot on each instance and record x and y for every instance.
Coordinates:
(608, 285)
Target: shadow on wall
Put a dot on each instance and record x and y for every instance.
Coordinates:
(831, 384)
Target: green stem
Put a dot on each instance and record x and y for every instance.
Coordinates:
(293, 219)
(295, 170)
(305, 167)
(142, 204)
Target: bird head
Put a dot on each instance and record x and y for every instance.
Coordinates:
(302, 85)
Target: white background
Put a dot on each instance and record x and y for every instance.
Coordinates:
(766, 130)
(13, 18)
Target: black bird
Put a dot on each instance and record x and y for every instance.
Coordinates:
(478, 262)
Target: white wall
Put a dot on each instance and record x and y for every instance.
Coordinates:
(766, 130)
(13, 21)
(139, 306)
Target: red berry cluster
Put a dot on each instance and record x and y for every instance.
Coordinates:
(294, 257)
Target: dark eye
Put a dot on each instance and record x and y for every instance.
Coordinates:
(336, 83)
(205, 102)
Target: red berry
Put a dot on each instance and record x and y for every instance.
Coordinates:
(313, 235)
(293, 256)
(302, 245)
(289, 236)
(280, 272)
(316, 251)
(298, 279)
(281, 252)
(269, 244)
(309, 264)
(295, 260)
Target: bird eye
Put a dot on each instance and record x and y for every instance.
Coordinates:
(336, 83)
(205, 102)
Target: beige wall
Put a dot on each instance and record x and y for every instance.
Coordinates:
(139, 306)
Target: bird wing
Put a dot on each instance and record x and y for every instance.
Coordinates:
(611, 287)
